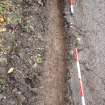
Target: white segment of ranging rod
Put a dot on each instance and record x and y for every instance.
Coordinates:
(79, 76)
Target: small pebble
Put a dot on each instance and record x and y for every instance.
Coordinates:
(2, 97)
(78, 39)
(11, 70)
(2, 29)
(35, 65)
(40, 2)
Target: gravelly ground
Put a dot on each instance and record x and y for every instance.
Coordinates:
(34, 51)
(89, 17)
(20, 50)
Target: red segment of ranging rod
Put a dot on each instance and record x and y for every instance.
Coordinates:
(76, 55)
(81, 89)
(72, 4)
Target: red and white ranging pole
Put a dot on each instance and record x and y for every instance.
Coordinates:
(76, 55)
(72, 5)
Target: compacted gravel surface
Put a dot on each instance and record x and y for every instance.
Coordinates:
(89, 22)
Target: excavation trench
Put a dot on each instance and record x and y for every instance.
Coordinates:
(54, 68)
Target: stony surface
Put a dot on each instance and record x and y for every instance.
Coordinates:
(31, 53)
(90, 24)
(20, 45)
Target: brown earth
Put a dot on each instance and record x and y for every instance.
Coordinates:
(54, 82)
(35, 50)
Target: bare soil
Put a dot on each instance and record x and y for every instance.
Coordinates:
(36, 46)
(33, 48)
(54, 81)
